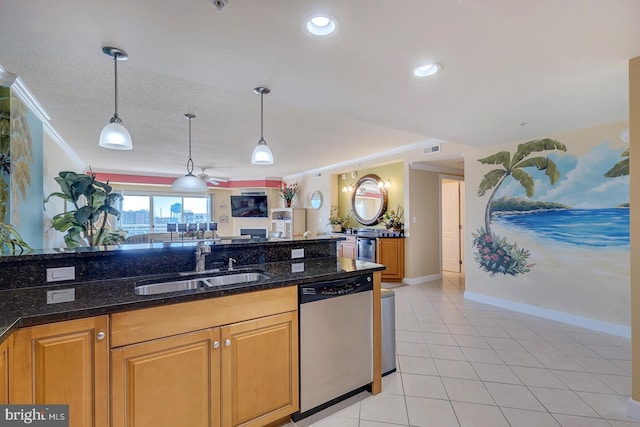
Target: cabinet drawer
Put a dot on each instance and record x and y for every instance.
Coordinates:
(150, 323)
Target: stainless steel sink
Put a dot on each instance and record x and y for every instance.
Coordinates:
(234, 279)
(150, 287)
(165, 287)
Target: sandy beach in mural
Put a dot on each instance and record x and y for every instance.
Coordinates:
(591, 275)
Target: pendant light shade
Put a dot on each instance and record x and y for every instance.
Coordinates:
(114, 135)
(262, 154)
(189, 183)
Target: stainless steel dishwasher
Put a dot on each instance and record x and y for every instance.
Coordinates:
(336, 341)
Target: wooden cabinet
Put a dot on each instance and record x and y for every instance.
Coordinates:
(168, 382)
(5, 348)
(63, 363)
(289, 222)
(260, 370)
(390, 252)
(347, 248)
(244, 373)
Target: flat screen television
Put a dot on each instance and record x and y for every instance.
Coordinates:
(249, 206)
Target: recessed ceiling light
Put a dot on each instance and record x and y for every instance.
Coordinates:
(321, 25)
(427, 70)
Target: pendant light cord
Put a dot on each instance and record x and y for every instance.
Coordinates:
(190, 161)
(115, 67)
(261, 116)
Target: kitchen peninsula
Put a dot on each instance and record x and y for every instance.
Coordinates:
(216, 347)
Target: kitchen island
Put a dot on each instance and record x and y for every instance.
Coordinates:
(109, 331)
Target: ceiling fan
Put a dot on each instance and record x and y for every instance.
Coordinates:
(211, 179)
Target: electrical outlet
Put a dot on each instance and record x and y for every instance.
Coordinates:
(61, 295)
(61, 273)
(297, 253)
(297, 267)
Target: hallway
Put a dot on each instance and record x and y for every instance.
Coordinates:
(461, 363)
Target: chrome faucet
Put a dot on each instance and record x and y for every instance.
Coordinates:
(231, 262)
(202, 251)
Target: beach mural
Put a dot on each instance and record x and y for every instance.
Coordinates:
(550, 223)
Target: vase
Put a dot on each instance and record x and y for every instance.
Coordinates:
(336, 228)
(287, 202)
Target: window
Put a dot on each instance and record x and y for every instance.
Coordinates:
(136, 209)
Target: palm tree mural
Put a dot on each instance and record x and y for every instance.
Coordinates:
(495, 254)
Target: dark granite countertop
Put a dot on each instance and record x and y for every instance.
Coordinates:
(28, 306)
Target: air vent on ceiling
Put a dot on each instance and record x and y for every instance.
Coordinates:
(431, 149)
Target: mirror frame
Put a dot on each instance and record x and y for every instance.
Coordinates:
(317, 195)
(383, 206)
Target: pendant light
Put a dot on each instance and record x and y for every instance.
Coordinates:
(115, 136)
(190, 183)
(261, 154)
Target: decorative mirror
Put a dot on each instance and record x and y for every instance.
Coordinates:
(368, 202)
(316, 200)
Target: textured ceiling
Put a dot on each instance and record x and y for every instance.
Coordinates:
(557, 65)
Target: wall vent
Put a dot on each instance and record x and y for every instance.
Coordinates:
(431, 149)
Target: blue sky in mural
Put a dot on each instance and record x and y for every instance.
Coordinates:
(582, 184)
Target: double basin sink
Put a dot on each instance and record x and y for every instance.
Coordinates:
(216, 280)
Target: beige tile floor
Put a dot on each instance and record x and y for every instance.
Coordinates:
(462, 363)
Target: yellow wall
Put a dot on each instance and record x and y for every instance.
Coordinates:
(396, 193)
(634, 128)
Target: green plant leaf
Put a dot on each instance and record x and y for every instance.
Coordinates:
(490, 180)
(499, 158)
(525, 180)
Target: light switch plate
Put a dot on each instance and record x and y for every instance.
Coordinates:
(61, 273)
(297, 253)
(61, 295)
(297, 267)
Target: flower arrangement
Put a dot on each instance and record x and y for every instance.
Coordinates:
(335, 218)
(393, 219)
(287, 191)
(495, 255)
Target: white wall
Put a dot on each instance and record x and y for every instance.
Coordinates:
(576, 279)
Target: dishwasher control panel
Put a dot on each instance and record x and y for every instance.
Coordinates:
(324, 290)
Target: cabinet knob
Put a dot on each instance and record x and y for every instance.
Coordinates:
(100, 336)
(227, 343)
(216, 344)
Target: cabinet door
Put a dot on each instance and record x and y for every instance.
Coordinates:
(390, 252)
(167, 382)
(260, 370)
(4, 371)
(349, 250)
(63, 363)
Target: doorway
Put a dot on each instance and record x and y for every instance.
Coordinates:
(452, 199)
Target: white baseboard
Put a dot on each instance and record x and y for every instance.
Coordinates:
(584, 322)
(633, 409)
(422, 279)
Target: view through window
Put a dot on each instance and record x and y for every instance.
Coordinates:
(136, 212)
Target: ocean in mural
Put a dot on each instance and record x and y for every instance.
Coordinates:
(581, 227)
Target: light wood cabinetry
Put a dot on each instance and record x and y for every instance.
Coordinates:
(260, 370)
(63, 363)
(168, 382)
(347, 248)
(243, 373)
(390, 252)
(289, 222)
(5, 348)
